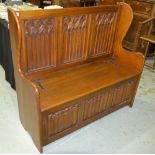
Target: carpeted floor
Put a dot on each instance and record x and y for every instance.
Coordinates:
(128, 130)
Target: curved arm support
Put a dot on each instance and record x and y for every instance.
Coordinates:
(133, 59)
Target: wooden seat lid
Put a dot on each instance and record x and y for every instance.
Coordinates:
(65, 86)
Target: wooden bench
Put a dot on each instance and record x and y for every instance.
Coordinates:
(70, 67)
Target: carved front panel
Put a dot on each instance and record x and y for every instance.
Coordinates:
(62, 120)
(74, 38)
(105, 99)
(104, 30)
(84, 108)
(40, 43)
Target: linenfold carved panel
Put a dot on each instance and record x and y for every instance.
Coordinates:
(74, 38)
(62, 120)
(105, 27)
(106, 99)
(40, 43)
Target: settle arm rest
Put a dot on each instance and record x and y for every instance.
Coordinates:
(134, 59)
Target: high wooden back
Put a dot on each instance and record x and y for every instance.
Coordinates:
(60, 38)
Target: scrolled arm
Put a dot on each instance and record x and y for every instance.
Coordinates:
(133, 59)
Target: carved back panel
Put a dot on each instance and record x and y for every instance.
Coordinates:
(74, 38)
(57, 38)
(40, 47)
(103, 34)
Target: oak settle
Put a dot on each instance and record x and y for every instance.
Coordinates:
(70, 67)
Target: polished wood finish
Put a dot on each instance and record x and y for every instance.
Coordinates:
(70, 67)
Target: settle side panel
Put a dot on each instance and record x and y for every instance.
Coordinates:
(27, 93)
